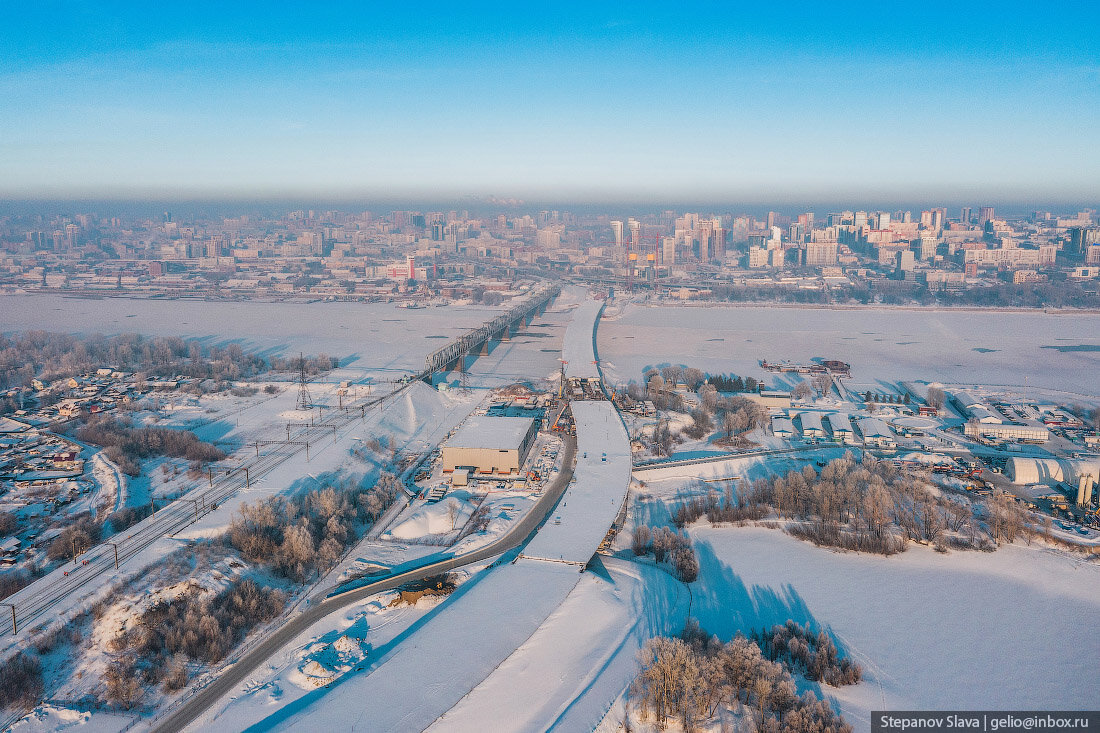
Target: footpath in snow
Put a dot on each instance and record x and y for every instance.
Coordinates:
(462, 642)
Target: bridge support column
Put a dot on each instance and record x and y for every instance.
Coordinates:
(484, 347)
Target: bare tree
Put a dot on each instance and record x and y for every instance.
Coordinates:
(692, 378)
(672, 375)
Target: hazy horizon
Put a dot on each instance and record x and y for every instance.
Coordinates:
(230, 206)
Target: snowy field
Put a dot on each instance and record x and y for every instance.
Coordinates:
(1010, 630)
(959, 347)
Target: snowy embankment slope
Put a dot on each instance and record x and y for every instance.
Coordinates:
(1014, 629)
(442, 658)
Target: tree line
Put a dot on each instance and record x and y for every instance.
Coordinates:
(127, 445)
(192, 626)
(691, 678)
(296, 537)
(868, 507)
(53, 356)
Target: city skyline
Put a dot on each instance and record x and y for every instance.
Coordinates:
(980, 104)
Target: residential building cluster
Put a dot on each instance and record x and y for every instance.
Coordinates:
(457, 254)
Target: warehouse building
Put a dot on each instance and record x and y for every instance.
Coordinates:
(1052, 471)
(1024, 433)
(841, 426)
(782, 428)
(490, 444)
(975, 409)
(876, 433)
(770, 399)
(811, 425)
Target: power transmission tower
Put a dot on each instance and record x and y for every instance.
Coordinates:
(305, 402)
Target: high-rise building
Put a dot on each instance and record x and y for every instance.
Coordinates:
(1080, 238)
(668, 253)
(821, 254)
(617, 232)
(635, 234)
(985, 214)
(964, 216)
(927, 245)
(758, 257)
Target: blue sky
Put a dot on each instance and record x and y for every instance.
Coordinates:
(587, 101)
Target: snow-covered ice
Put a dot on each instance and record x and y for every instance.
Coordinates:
(881, 344)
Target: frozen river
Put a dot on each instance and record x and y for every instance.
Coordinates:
(380, 336)
(1031, 349)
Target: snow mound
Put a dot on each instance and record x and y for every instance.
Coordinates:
(51, 717)
(434, 519)
(317, 673)
(931, 459)
(323, 663)
(348, 645)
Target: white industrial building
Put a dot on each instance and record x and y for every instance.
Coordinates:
(876, 433)
(975, 409)
(1051, 471)
(782, 428)
(841, 426)
(811, 425)
(1028, 433)
(490, 444)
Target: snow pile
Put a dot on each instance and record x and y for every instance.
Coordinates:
(420, 411)
(931, 459)
(326, 662)
(54, 718)
(439, 518)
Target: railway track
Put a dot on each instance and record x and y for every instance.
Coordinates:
(32, 602)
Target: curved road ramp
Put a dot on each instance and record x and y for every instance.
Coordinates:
(490, 617)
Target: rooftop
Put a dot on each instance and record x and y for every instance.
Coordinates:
(482, 431)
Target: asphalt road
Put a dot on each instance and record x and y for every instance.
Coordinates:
(320, 606)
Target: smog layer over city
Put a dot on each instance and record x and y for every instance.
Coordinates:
(495, 368)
